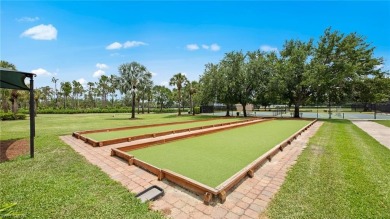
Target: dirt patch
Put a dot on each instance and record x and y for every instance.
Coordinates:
(10, 149)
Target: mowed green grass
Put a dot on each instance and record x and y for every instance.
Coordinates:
(60, 183)
(343, 173)
(211, 159)
(383, 122)
(101, 136)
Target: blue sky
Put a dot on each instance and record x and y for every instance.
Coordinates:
(80, 40)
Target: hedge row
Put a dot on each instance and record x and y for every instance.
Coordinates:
(11, 116)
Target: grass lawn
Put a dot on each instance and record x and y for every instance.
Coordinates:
(101, 136)
(383, 122)
(60, 183)
(211, 159)
(343, 173)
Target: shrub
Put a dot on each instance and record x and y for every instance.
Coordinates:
(11, 116)
(197, 110)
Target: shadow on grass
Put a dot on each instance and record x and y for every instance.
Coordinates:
(12, 148)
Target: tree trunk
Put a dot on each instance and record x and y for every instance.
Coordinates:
(143, 103)
(5, 105)
(138, 105)
(161, 106)
(227, 110)
(243, 109)
(179, 103)
(296, 110)
(133, 107)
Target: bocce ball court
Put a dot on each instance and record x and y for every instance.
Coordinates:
(212, 163)
(124, 134)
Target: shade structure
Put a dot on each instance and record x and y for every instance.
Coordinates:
(10, 79)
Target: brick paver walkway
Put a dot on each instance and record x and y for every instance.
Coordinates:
(247, 200)
(380, 132)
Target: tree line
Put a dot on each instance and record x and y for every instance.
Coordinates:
(338, 68)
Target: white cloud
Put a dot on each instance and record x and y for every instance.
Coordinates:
(101, 66)
(114, 45)
(192, 47)
(164, 83)
(98, 73)
(42, 72)
(130, 44)
(267, 48)
(41, 32)
(153, 73)
(127, 44)
(215, 47)
(27, 19)
(205, 46)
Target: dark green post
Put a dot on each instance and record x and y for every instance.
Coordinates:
(32, 116)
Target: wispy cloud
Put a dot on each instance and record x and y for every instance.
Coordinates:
(98, 73)
(101, 66)
(213, 47)
(125, 45)
(267, 48)
(42, 72)
(130, 44)
(41, 32)
(192, 47)
(164, 83)
(27, 19)
(153, 74)
(114, 45)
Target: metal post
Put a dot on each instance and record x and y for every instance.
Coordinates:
(317, 104)
(32, 117)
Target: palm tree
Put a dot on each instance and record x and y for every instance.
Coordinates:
(54, 80)
(90, 91)
(112, 87)
(191, 88)
(103, 87)
(46, 93)
(178, 80)
(148, 93)
(131, 74)
(77, 91)
(66, 88)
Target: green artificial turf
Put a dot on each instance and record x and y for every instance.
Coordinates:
(60, 183)
(383, 122)
(343, 173)
(101, 136)
(211, 159)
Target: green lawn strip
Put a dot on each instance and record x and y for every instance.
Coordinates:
(211, 159)
(383, 122)
(101, 136)
(343, 173)
(60, 183)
